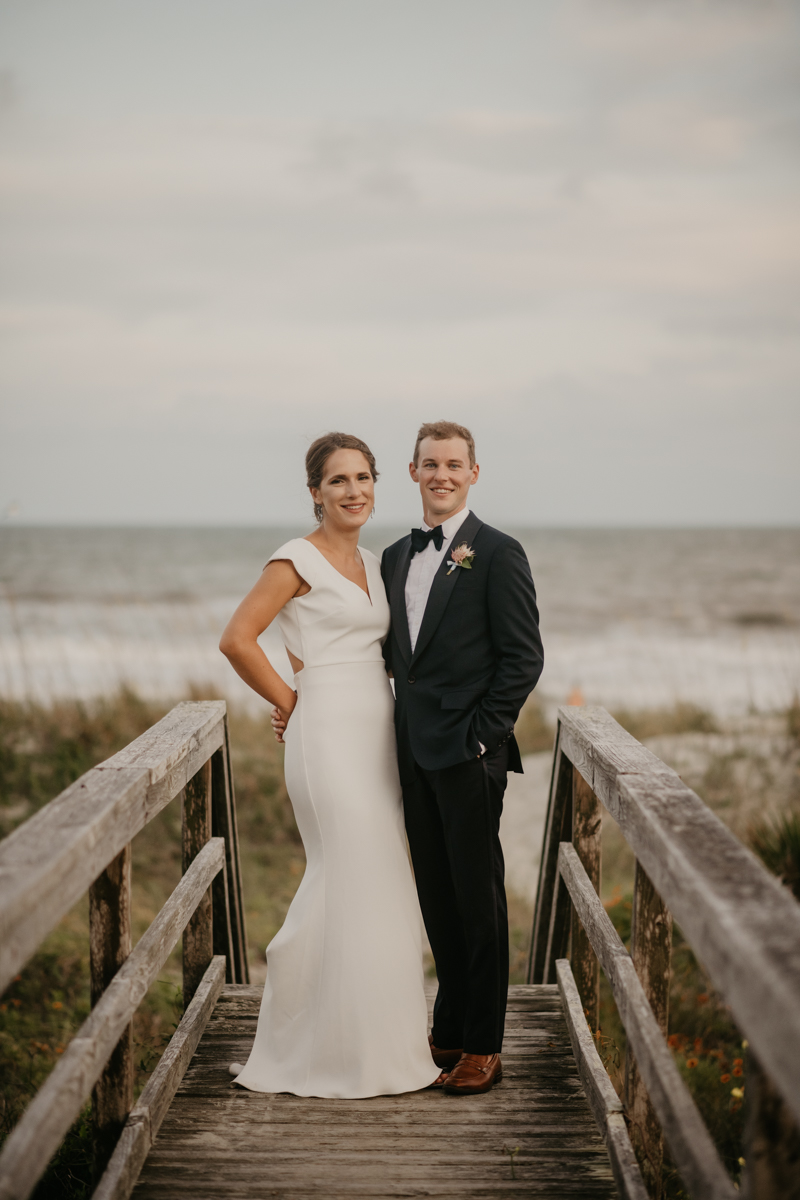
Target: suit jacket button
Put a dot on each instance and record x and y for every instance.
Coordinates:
(412, 679)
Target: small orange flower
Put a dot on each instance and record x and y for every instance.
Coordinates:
(59, 1049)
(738, 1071)
(3, 1007)
(57, 1004)
(702, 998)
(691, 1063)
(16, 1002)
(17, 978)
(738, 1062)
(725, 1078)
(698, 1045)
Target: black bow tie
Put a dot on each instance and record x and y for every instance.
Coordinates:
(421, 537)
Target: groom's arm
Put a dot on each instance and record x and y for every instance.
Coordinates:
(386, 576)
(514, 629)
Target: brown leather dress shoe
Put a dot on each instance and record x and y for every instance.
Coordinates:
(444, 1059)
(473, 1074)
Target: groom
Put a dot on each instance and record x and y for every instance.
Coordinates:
(465, 652)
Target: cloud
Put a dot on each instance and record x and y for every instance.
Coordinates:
(596, 245)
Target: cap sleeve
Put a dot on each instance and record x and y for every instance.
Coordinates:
(301, 555)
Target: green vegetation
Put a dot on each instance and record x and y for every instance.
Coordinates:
(777, 843)
(707, 1046)
(533, 731)
(652, 722)
(793, 719)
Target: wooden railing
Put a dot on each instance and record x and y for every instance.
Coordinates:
(80, 841)
(743, 925)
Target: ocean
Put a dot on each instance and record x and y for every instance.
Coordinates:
(630, 618)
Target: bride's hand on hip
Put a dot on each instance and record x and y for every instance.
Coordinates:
(280, 719)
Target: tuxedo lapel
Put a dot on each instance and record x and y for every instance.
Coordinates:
(397, 601)
(444, 583)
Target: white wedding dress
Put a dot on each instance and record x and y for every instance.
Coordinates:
(343, 1013)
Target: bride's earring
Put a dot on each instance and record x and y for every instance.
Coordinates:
(372, 514)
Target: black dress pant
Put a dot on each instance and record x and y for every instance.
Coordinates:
(453, 825)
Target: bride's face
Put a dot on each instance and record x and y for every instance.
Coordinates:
(347, 490)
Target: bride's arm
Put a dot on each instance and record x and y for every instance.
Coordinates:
(279, 582)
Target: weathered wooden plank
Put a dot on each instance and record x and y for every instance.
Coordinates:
(728, 906)
(206, 1140)
(443, 1191)
(224, 824)
(691, 1147)
(557, 826)
(175, 748)
(146, 1117)
(586, 838)
(58, 1102)
(240, 1143)
(601, 749)
(558, 934)
(224, 898)
(603, 1100)
(771, 1141)
(382, 1172)
(221, 926)
(651, 951)
(109, 946)
(51, 860)
(198, 936)
(48, 863)
(318, 1185)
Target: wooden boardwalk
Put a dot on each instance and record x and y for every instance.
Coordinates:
(543, 1132)
(218, 1140)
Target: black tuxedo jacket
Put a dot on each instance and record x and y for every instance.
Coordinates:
(478, 655)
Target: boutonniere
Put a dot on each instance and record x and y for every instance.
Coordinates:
(462, 556)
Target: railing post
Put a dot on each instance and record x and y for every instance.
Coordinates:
(198, 937)
(230, 937)
(771, 1140)
(586, 838)
(109, 946)
(651, 949)
(550, 935)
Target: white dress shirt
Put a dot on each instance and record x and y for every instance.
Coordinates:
(421, 570)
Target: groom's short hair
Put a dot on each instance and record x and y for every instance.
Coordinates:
(440, 431)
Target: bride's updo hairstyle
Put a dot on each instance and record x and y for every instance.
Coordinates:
(320, 451)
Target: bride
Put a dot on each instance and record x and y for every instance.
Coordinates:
(343, 1013)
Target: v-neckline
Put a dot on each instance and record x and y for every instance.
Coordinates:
(366, 593)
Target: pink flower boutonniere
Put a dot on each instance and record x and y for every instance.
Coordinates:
(462, 556)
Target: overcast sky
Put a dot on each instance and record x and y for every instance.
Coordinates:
(229, 226)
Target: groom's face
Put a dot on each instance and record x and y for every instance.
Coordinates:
(444, 475)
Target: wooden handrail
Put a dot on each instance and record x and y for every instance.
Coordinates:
(60, 1099)
(80, 841)
(692, 1148)
(741, 922)
(603, 1100)
(144, 1122)
(52, 859)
